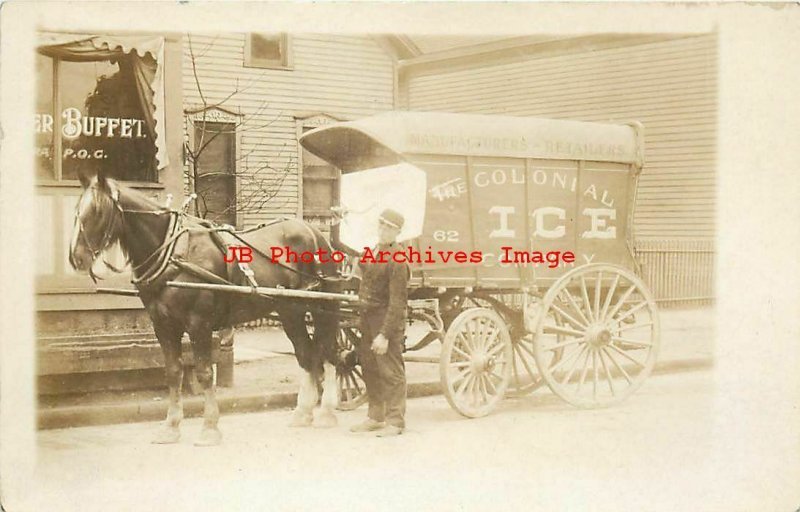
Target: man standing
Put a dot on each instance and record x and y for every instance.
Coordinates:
(383, 293)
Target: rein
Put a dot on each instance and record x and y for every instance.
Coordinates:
(174, 232)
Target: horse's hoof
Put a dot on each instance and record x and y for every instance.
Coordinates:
(325, 420)
(167, 435)
(209, 437)
(301, 420)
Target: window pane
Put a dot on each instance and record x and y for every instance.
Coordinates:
(44, 117)
(216, 169)
(103, 124)
(265, 46)
(317, 196)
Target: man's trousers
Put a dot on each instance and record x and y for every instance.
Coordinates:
(384, 375)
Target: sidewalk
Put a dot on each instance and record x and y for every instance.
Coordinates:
(266, 375)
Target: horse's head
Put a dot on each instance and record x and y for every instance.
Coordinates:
(98, 223)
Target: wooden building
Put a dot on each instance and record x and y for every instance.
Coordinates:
(261, 91)
(232, 107)
(667, 82)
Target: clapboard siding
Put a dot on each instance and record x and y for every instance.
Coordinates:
(342, 76)
(669, 85)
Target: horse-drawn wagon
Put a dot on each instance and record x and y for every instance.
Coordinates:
(518, 232)
(548, 207)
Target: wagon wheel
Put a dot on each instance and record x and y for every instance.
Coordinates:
(609, 340)
(525, 377)
(476, 362)
(350, 381)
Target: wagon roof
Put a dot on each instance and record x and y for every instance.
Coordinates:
(386, 137)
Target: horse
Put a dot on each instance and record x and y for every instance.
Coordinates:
(162, 244)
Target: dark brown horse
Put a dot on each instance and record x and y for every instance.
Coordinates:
(163, 245)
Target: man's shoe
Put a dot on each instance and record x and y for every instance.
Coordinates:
(369, 425)
(390, 431)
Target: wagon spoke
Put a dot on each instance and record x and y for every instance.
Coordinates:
(585, 370)
(575, 306)
(461, 352)
(560, 329)
(574, 365)
(470, 335)
(609, 295)
(460, 364)
(461, 376)
(492, 374)
(585, 296)
(632, 311)
(466, 344)
(482, 388)
(464, 383)
(621, 301)
(617, 365)
(608, 373)
(555, 367)
(527, 365)
(642, 344)
(526, 348)
(355, 383)
(627, 356)
(489, 341)
(495, 349)
(597, 288)
(489, 383)
(559, 346)
(569, 318)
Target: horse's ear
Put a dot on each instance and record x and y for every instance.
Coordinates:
(84, 177)
(102, 182)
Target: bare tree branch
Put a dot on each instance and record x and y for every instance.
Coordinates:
(258, 186)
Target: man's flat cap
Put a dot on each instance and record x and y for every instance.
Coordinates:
(392, 218)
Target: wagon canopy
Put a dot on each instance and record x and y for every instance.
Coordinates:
(384, 138)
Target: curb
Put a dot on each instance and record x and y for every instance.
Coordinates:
(109, 414)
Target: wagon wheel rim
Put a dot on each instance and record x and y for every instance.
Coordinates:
(476, 362)
(352, 391)
(609, 341)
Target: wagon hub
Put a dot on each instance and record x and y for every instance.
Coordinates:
(597, 336)
(480, 363)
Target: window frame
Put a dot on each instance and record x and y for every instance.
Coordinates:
(193, 116)
(57, 180)
(285, 63)
(305, 122)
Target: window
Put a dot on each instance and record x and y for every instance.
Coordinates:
(216, 171)
(89, 117)
(320, 190)
(267, 51)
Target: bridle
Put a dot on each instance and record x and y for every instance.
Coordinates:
(118, 216)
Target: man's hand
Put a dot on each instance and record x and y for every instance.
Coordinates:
(380, 345)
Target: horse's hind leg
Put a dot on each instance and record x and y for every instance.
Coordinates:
(326, 325)
(200, 334)
(170, 340)
(294, 324)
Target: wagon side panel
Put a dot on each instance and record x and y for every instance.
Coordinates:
(604, 199)
(446, 227)
(552, 189)
(499, 216)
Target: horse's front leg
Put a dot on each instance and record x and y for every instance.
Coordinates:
(294, 325)
(170, 341)
(326, 325)
(200, 334)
